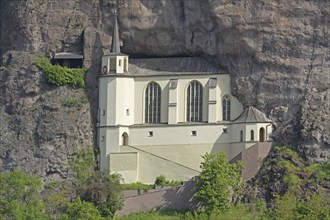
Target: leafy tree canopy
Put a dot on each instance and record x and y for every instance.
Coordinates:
(103, 191)
(81, 210)
(217, 181)
(19, 197)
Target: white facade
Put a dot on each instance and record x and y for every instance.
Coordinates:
(159, 116)
(172, 145)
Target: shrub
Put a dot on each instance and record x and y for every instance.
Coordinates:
(136, 185)
(323, 173)
(292, 182)
(59, 75)
(103, 191)
(284, 150)
(81, 210)
(83, 164)
(71, 102)
(160, 181)
(287, 165)
(20, 198)
(289, 207)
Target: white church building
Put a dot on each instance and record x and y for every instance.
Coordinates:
(158, 116)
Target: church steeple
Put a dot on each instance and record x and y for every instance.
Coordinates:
(115, 62)
(115, 45)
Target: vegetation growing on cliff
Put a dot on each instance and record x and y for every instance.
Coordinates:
(93, 195)
(97, 196)
(60, 76)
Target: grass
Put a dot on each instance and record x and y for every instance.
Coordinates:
(71, 102)
(137, 185)
(290, 167)
(153, 215)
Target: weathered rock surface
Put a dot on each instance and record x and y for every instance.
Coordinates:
(40, 129)
(277, 53)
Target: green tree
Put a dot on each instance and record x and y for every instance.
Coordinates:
(81, 210)
(103, 191)
(285, 206)
(217, 182)
(314, 207)
(19, 197)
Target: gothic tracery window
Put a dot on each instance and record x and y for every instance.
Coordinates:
(194, 102)
(152, 103)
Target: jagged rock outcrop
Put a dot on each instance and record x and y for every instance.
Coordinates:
(277, 53)
(41, 126)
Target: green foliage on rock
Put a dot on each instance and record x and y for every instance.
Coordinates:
(20, 198)
(83, 163)
(72, 102)
(284, 150)
(288, 165)
(217, 182)
(289, 207)
(293, 182)
(60, 76)
(320, 171)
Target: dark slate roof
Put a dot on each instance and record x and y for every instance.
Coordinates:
(66, 55)
(115, 44)
(171, 66)
(252, 114)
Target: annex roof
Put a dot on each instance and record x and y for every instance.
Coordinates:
(171, 66)
(66, 55)
(251, 114)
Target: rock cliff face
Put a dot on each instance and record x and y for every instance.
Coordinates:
(277, 53)
(41, 126)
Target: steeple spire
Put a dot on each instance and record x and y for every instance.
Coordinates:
(115, 45)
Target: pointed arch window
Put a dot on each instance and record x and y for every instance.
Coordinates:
(152, 103)
(194, 102)
(241, 136)
(226, 108)
(252, 135)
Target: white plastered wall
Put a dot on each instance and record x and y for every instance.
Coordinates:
(223, 88)
(172, 150)
(124, 101)
(125, 164)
